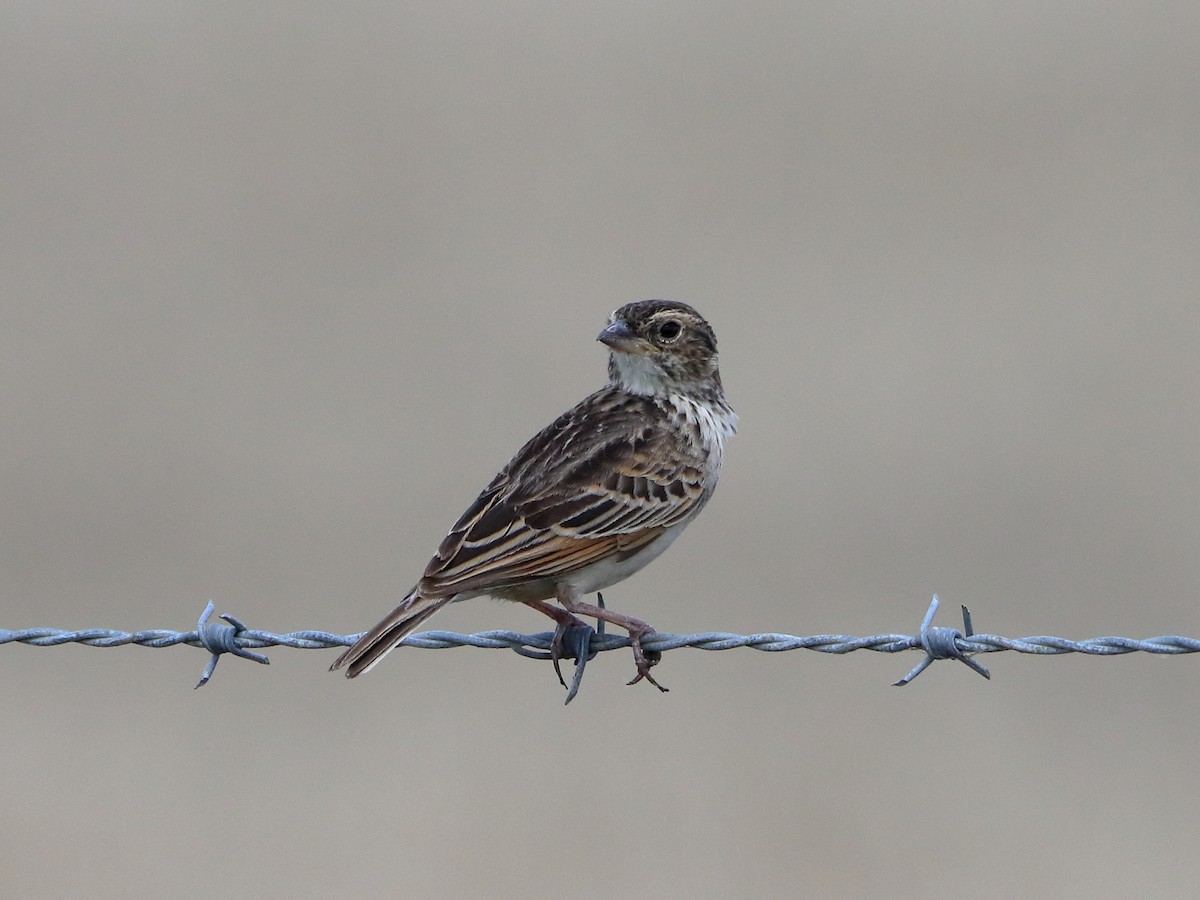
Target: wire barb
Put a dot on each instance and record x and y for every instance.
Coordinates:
(218, 639)
(943, 643)
(576, 645)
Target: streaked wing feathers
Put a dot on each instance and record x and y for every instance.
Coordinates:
(605, 478)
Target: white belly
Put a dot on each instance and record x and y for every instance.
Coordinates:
(607, 572)
(588, 580)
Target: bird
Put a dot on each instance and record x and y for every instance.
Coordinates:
(592, 498)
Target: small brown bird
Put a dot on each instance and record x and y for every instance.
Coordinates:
(592, 498)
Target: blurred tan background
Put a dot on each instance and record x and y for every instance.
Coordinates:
(284, 285)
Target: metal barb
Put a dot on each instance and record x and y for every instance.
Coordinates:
(943, 643)
(585, 653)
(580, 644)
(218, 639)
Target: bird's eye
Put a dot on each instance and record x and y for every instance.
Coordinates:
(669, 330)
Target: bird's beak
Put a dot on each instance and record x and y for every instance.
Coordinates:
(619, 336)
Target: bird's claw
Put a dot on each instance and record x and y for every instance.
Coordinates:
(644, 659)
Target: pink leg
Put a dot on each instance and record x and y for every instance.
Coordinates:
(636, 627)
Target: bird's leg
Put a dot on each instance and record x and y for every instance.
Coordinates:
(636, 627)
(565, 622)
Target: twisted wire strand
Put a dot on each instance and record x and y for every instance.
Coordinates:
(770, 642)
(936, 642)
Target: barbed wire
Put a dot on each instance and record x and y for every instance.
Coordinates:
(937, 642)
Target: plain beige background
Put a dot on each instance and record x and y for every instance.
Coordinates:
(284, 284)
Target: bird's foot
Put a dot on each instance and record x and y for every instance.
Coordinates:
(644, 659)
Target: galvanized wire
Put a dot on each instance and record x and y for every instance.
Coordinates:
(936, 642)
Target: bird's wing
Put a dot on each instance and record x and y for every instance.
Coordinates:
(604, 479)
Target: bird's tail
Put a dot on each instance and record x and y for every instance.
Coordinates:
(383, 638)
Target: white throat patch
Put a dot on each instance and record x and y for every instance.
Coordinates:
(640, 375)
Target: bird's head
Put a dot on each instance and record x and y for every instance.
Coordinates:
(661, 347)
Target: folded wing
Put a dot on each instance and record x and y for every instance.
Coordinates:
(605, 479)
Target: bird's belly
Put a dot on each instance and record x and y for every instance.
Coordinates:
(606, 572)
(588, 580)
